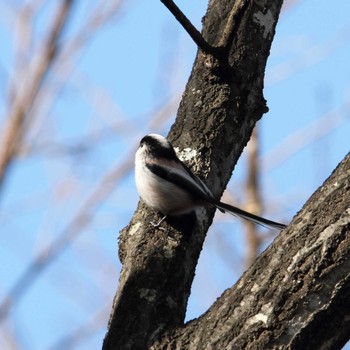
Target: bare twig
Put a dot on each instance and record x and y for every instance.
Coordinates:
(253, 197)
(27, 92)
(84, 332)
(73, 229)
(230, 29)
(189, 27)
(78, 223)
(306, 136)
(302, 59)
(65, 67)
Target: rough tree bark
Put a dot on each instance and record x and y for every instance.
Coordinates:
(288, 296)
(296, 295)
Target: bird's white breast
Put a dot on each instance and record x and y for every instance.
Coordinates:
(160, 194)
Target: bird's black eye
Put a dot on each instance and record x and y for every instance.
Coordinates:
(143, 140)
(148, 141)
(158, 147)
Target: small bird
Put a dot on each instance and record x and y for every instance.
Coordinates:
(167, 185)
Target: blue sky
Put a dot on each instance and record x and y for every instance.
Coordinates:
(130, 68)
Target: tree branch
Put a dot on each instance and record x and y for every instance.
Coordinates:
(294, 296)
(47, 256)
(28, 90)
(253, 199)
(215, 119)
(189, 27)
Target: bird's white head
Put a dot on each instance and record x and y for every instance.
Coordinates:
(157, 146)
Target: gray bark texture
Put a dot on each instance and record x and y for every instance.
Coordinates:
(296, 294)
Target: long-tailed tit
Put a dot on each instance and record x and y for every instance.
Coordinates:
(167, 185)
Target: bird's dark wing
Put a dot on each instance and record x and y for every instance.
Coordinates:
(182, 177)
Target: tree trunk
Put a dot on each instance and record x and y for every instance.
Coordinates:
(283, 298)
(296, 295)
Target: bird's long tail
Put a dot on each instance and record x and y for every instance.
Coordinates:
(248, 216)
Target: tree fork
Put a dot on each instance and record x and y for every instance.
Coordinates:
(222, 102)
(296, 294)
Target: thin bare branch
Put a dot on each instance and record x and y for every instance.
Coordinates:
(303, 137)
(72, 230)
(189, 27)
(27, 92)
(253, 204)
(84, 332)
